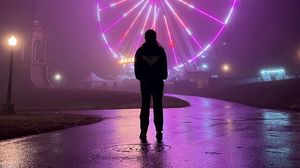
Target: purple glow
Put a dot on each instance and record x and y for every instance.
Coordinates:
(183, 38)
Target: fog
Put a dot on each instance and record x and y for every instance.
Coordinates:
(260, 34)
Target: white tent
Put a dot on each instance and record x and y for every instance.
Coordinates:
(93, 81)
(93, 78)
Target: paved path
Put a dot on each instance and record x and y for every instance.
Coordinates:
(209, 133)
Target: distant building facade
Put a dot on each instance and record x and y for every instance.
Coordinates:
(39, 66)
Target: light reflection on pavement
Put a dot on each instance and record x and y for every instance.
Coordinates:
(209, 133)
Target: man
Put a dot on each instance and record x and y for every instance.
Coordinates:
(151, 70)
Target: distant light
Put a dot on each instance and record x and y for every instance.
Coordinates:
(226, 68)
(126, 60)
(278, 70)
(58, 77)
(204, 66)
(12, 41)
(180, 66)
(214, 76)
(273, 74)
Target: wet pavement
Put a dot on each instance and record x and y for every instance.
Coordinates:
(209, 133)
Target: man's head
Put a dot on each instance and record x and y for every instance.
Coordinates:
(150, 36)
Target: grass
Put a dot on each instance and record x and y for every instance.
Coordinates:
(42, 100)
(283, 94)
(12, 126)
(74, 99)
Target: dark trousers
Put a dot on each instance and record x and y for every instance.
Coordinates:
(152, 89)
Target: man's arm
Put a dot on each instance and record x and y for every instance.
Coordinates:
(137, 65)
(165, 65)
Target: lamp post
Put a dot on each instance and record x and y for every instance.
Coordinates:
(8, 106)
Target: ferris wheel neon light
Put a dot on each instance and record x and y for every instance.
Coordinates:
(122, 25)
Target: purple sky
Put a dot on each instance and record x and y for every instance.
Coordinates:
(261, 33)
(74, 45)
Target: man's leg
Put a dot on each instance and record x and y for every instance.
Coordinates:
(157, 106)
(145, 109)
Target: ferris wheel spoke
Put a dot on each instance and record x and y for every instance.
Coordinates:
(134, 47)
(114, 4)
(155, 13)
(124, 16)
(132, 24)
(117, 3)
(144, 26)
(185, 38)
(147, 18)
(170, 40)
(230, 12)
(136, 39)
(201, 11)
(183, 24)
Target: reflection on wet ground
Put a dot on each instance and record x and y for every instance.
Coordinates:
(209, 133)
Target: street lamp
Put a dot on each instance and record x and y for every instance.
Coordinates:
(12, 41)
(8, 106)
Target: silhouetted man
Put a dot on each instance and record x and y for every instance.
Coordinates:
(151, 70)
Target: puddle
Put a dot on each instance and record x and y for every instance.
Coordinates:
(131, 148)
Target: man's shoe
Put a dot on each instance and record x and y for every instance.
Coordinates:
(159, 136)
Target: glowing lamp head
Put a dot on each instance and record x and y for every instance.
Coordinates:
(226, 68)
(57, 77)
(12, 41)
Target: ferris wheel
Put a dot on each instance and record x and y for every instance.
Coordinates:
(185, 28)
